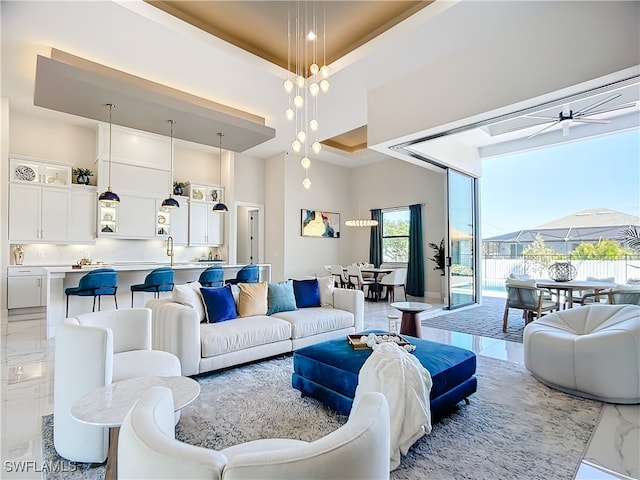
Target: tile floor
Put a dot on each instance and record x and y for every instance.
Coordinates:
(26, 384)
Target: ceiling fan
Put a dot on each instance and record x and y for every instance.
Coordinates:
(567, 116)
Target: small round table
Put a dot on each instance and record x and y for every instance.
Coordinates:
(108, 405)
(411, 317)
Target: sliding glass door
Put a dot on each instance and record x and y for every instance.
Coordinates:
(461, 259)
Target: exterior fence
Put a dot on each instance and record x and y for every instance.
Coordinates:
(496, 269)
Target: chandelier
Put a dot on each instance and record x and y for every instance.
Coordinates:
(361, 222)
(305, 81)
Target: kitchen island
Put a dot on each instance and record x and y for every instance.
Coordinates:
(129, 273)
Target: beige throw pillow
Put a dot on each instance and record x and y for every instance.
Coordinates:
(326, 285)
(252, 299)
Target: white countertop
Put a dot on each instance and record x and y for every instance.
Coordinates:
(137, 266)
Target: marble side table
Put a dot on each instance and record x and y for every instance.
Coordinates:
(411, 317)
(107, 406)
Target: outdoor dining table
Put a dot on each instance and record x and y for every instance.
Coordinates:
(572, 285)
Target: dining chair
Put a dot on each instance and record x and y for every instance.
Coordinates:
(397, 278)
(339, 276)
(619, 295)
(158, 280)
(583, 297)
(524, 295)
(96, 283)
(355, 280)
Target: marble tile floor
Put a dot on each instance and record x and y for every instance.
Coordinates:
(26, 385)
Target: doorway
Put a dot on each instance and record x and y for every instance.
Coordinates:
(249, 233)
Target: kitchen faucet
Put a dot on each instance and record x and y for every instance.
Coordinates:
(170, 248)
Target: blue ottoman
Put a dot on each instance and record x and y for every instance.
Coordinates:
(328, 371)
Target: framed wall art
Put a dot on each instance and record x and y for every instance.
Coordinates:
(314, 223)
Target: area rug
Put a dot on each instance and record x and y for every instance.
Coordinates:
(484, 320)
(514, 427)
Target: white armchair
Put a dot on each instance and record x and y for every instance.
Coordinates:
(360, 449)
(93, 350)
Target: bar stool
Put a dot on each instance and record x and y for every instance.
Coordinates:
(96, 283)
(212, 277)
(247, 274)
(159, 280)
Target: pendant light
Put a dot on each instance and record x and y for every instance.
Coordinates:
(171, 202)
(220, 207)
(109, 196)
(361, 222)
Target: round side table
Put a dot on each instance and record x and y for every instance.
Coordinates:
(411, 317)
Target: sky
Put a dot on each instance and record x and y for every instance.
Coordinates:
(528, 189)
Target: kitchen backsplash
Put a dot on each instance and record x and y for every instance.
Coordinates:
(109, 250)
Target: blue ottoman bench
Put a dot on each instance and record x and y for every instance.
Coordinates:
(328, 371)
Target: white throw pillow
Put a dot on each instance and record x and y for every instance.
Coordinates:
(187, 295)
(326, 285)
(514, 282)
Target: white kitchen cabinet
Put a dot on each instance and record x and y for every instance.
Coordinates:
(38, 214)
(137, 216)
(26, 287)
(206, 227)
(180, 222)
(82, 214)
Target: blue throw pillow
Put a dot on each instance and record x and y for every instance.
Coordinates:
(219, 304)
(307, 293)
(280, 297)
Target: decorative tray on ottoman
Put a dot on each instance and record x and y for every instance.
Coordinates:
(356, 344)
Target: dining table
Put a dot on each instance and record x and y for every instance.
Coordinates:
(573, 285)
(376, 271)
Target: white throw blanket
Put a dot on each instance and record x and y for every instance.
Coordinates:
(406, 384)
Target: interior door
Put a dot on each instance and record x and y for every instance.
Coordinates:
(461, 253)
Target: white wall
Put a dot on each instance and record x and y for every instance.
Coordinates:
(395, 183)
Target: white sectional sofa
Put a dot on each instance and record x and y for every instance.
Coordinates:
(182, 329)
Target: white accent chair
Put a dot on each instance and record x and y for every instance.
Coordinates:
(360, 449)
(590, 351)
(93, 350)
(397, 278)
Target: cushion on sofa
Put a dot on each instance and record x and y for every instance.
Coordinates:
(307, 293)
(252, 299)
(226, 337)
(326, 286)
(312, 321)
(280, 297)
(188, 294)
(219, 303)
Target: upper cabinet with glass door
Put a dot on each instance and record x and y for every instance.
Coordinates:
(27, 170)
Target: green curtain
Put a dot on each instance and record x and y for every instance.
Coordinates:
(415, 270)
(375, 244)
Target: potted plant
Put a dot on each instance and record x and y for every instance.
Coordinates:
(178, 187)
(82, 175)
(438, 256)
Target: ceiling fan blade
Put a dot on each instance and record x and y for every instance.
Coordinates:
(541, 117)
(545, 128)
(590, 120)
(597, 104)
(611, 109)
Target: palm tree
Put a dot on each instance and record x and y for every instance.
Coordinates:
(631, 238)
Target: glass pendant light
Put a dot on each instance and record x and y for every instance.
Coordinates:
(171, 202)
(220, 207)
(109, 196)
